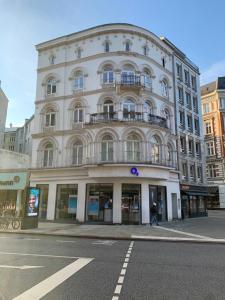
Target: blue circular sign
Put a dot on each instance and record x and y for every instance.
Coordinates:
(134, 171)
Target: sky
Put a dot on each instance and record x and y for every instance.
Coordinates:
(194, 26)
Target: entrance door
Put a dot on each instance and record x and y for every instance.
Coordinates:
(157, 194)
(131, 196)
(174, 206)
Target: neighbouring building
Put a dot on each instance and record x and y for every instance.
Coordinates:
(104, 142)
(190, 137)
(10, 138)
(3, 113)
(14, 178)
(213, 106)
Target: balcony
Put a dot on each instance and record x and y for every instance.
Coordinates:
(103, 117)
(48, 128)
(128, 117)
(129, 82)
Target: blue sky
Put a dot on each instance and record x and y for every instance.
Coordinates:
(196, 27)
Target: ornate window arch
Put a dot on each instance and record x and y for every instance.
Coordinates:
(107, 74)
(164, 88)
(107, 147)
(50, 117)
(51, 85)
(156, 149)
(77, 152)
(133, 147)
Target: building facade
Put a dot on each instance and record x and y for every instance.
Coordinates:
(104, 142)
(10, 138)
(3, 113)
(213, 106)
(190, 137)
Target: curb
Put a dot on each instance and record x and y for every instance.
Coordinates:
(128, 238)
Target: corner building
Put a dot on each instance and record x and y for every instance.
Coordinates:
(104, 143)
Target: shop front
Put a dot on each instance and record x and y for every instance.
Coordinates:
(193, 201)
(99, 202)
(12, 192)
(157, 194)
(131, 203)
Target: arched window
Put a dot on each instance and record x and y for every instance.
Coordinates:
(147, 79)
(50, 118)
(164, 88)
(48, 155)
(78, 80)
(108, 74)
(148, 107)
(78, 114)
(128, 109)
(167, 116)
(106, 46)
(77, 153)
(128, 75)
(107, 148)
(51, 86)
(133, 148)
(169, 154)
(108, 109)
(156, 149)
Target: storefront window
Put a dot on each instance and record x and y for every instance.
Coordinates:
(99, 202)
(66, 201)
(131, 196)
(8, 202)
(157, 194)
(43, 200)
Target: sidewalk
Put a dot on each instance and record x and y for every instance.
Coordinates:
(205, 229)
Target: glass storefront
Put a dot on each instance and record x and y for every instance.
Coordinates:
(99, 204)
(131, 199)
(66, 201)
(43, 200)
(8, 202)
(157, 194)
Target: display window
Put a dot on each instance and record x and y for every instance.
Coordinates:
(8, 202)
(43, 200)
(99, 203)
(157, 194)
(131, 199)
(66, 201)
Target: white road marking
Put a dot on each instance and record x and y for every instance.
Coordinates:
(182, 232)
(28, 239)
(121, 279)
(20, 267)
(122, 273)
(102, 242)
(44, 287)
(118, 289)
(59, 241)
(36, 254)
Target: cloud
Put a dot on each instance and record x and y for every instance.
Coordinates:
(215, 70)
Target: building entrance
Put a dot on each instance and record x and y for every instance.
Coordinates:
(157, 194)
(131, 199)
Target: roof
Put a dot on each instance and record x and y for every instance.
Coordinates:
(218, 84)
(11, 129)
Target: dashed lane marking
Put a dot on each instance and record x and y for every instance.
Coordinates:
(103, 242)
(120, 281)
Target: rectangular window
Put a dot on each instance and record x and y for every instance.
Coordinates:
(193, 83)
(179, 72)
(206, 108)
(191, 147)
(195, 104)
(184, 170)
(192, 172)
(183, 144)
(182, 119)
(222, 103)
(210, 148)
(197, 130)
(187, 77)
(212, 171)
(66, 201)
(198, 149)
(180, 95)
(208, 127)
(188, 100)
(189, 123)
(199, 173)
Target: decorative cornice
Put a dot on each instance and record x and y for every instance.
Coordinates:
(104, 54)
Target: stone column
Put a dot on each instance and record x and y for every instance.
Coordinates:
(51, 201)
(81, 201)
(117, 196)
(145, 203)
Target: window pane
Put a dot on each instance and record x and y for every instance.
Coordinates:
(52, 119)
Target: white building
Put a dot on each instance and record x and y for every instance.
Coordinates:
(3, 113)
(104, 142)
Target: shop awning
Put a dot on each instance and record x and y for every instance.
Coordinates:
(197, 193)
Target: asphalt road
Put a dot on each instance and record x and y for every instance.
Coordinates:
(52, 268)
